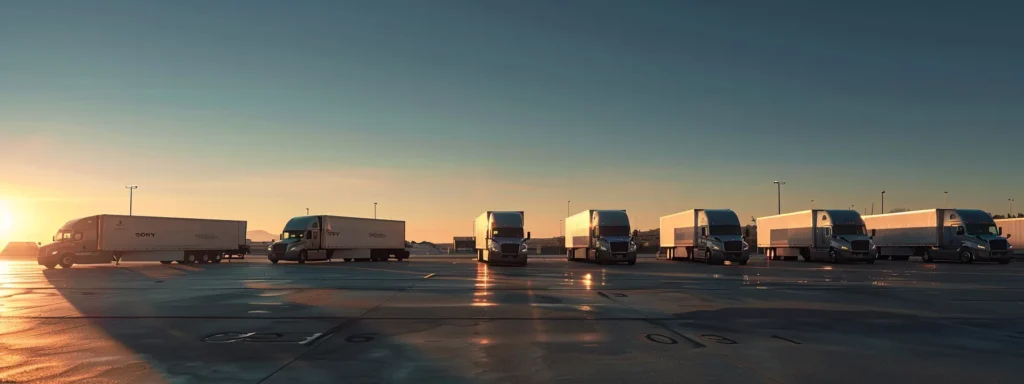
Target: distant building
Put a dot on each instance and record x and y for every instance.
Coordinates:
(464, 244)
(20, 248)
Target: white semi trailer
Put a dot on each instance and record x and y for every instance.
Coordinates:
(499, 237)
(966, 235)
(831, 234)
(601, 236)
(1013, 231)
(102, 239)
(712, 235)
(309, 238)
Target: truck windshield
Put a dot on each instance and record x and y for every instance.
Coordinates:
(507, 232)
(294, 234)
(62, 236)
(982, 229)
(613, 230)
(724, 230)
(849, 230)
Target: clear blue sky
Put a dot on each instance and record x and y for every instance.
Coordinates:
(683, 104)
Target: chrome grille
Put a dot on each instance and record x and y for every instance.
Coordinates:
(997, 245)
(860, 245)
(279, 248)
(510, 248)
(620, 246)
(733, 246)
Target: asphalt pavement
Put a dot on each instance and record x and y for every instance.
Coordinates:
(449, 319)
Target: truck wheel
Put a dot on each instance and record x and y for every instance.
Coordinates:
(189, 259)
(966, 256)
(302, 257)
(165, 261)
(744, 262)
(204, 258)
(927, 257)
(631, 262)
(216, 259)
(1004, 261)
(273, 261)
(67, 260)
(347, 259)
(707, 257)
(833, 256)
(570, 255)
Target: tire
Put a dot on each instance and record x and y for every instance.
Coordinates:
(570, 255)
(203, 258)
(302, 257)
(833, 256)
(707, 257)
(669, 255)
(927, 258)
(479, 256)
(165, 262)
(966, 256)
(216, 260)
(189, 259)
(744, 262)
(347, 259)
(273, 261)
(631, 262)
(1004, 261)
(66, 260)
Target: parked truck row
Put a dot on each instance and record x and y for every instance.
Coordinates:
(713, 236)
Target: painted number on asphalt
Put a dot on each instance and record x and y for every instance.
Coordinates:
(258, 337)
(661, 339)
(720, 339)
(361, 338)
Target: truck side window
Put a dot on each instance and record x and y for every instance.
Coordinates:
(960, 231)
(828, 231)
(704, 231)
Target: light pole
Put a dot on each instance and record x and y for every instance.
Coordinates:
(812, 203)
(567, 207)
(883, 201)
(374, 209)
(131, 197)
(779, 185)
(1010, 214)
(307, 211)
(851, 207)
(560, 228)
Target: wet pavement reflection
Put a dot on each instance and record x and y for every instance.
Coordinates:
(453, 320)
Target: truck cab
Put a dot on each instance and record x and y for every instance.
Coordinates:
(74, 243)
(975, 236)
(721, 237)
(843, 235)
(610, 238)
(504, 238)
(299, 241)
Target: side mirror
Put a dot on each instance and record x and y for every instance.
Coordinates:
(872, 233)
(1000, 231)
(871, 237)
(280, 237)
(1008, 235)
(527, 235)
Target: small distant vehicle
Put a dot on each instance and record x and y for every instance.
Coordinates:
(966, 235)
(499, 237)
(103, 239)
(818, 234)
(711, 235)
(601, 236)
(311, 238)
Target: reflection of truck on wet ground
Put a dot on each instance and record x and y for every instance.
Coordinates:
(500, 238)
(102, 239)
(600, 235)
(966, 235)
(818, 234)
(309, 238)
(710, 235)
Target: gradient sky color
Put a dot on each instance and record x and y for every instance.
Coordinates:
(439, 110)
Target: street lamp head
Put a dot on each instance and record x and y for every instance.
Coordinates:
(131, 186)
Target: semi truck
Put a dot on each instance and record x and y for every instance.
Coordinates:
(1013, 231)
(830, 234)
(966, 235)
(711, 235)
(313, 238)
(499, 237)
(103, 239)
(601, 236)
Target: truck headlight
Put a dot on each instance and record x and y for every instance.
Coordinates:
(714, 246)
(845, 248)
(524, 248)
(494, 246)
(293, 247)
(602, 245)
(632, 246)
(746, 246)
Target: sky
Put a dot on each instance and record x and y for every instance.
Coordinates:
(439, 110)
